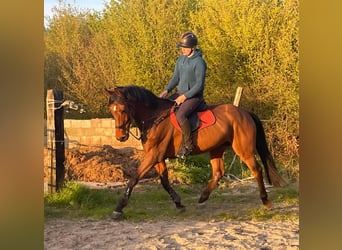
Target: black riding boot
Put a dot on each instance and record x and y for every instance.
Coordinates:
(186, 145)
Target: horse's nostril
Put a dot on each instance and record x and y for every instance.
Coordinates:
(123, 138)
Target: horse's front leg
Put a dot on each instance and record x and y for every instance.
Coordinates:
(217, 173)
(144, 167)
(164, 179)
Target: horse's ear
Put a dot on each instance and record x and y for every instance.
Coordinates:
(116, 92)
(108, 92)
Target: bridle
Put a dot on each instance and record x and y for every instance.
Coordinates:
(123, 126)
(157, 119)
(126, 125)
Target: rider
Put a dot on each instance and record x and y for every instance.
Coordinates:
(189, 80)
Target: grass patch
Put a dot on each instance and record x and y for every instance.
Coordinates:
(149, 201)
(76, 200)
(288, 195)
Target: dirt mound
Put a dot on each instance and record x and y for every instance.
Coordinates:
(102, 164)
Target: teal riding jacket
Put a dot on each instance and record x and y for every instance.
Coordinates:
(189, 75)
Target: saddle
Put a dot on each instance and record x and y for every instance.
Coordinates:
(198, 120)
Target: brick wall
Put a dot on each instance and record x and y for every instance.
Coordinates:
(95, 132)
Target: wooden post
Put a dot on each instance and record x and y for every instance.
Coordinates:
(55, 139)
(236, 103)
(237, 96)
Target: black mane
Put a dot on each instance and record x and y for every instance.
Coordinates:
(133, 93)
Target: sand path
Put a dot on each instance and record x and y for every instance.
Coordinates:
(108, 234)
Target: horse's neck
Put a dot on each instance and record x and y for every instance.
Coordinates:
(146, 117)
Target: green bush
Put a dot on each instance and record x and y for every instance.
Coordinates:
(192, 170)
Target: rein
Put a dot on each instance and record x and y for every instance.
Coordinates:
(156, 122)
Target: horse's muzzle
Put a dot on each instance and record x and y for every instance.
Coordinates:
(123, 138)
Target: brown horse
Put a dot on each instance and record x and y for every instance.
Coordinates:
(234, 127)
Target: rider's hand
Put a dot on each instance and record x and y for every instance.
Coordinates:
(180, 99)
(163, 94)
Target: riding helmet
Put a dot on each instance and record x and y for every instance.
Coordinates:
(187, 40)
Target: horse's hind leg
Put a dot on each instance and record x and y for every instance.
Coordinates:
(255, 168)
(217, 166)
(244, 144)
(164, 179)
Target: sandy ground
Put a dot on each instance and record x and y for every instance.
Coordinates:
(109, 234)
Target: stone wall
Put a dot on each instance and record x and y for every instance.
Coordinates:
(95, 132)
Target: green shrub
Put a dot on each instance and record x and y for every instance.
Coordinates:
(192, 170)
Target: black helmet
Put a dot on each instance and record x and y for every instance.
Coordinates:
(187, 40)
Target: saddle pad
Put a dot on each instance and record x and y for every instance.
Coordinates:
(206, 118)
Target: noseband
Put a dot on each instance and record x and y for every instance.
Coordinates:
(123, 126)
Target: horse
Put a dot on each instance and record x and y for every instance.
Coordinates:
(234, 128)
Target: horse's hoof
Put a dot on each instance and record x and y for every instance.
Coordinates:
(204, 197)
(181, 209)
(202, 200)
(201, 205)
(268, 205)
(117, 215)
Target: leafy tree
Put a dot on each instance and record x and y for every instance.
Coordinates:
(131, 42)
(70, 40)
(145, 33)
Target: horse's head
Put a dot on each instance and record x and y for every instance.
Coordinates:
(134, 103)
(118, 107)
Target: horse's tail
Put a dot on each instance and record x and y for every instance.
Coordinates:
(272, 173)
